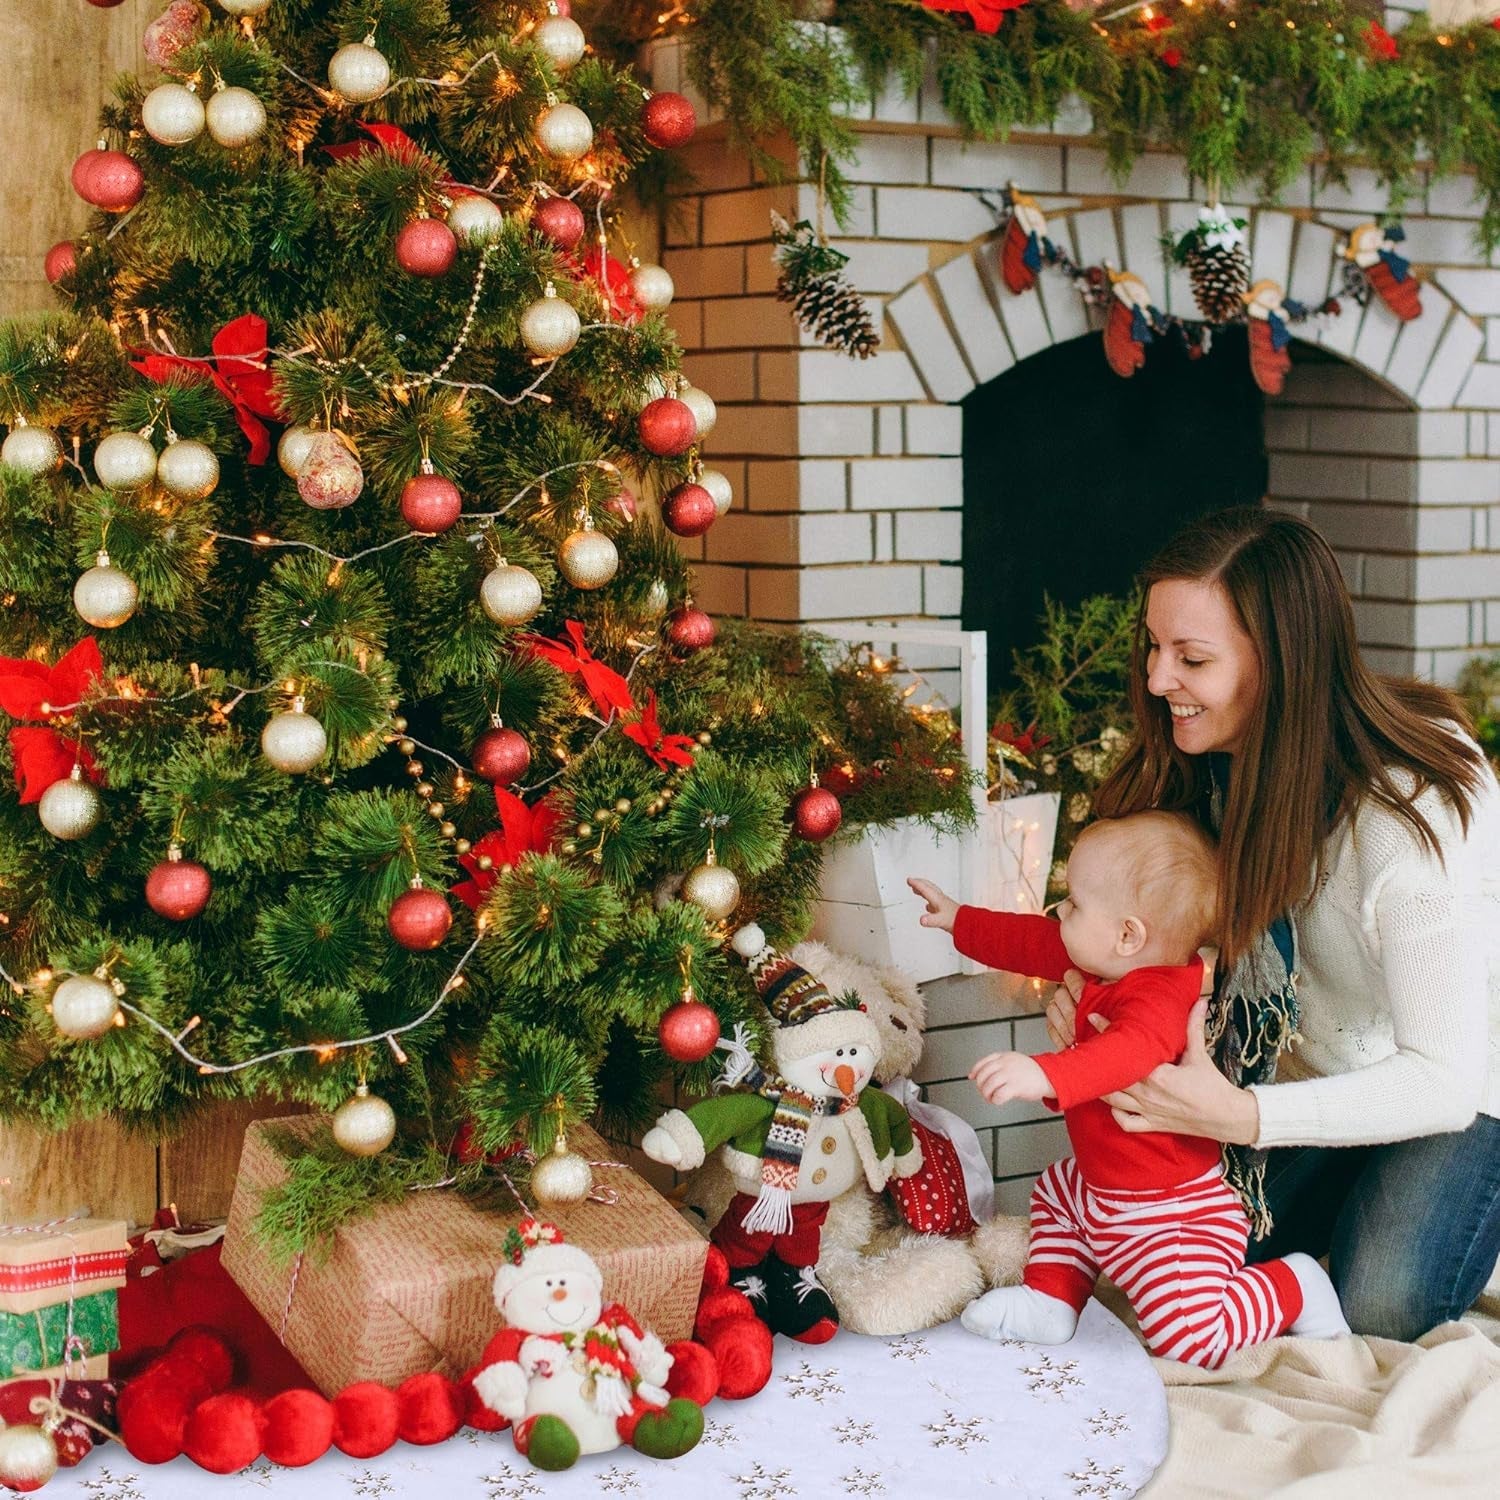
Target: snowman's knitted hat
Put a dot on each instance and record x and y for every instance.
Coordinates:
(533, 1248)
(809, 1019)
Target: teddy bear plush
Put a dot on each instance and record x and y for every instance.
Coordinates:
(884, 1277)
(570, 1374)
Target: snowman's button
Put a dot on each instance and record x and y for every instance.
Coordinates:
(830, 1145)
(819, 1175)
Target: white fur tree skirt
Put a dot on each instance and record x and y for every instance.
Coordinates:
(931, 1416)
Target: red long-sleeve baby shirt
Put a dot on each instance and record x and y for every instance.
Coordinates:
(1147, 1011)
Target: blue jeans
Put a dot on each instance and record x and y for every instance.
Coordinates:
(1411, 1229)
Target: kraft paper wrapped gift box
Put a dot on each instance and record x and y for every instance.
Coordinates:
(40, 1264)
(408, 1287)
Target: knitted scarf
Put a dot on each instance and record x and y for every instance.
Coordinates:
(1252, 1018)
(786, 1140)
(612, 1376)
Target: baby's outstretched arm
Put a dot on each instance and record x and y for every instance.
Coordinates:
(1003, 1076)
(942, 909)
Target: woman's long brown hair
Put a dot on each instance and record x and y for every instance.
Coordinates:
(1326, 733)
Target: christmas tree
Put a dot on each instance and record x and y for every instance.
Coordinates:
(368, 748)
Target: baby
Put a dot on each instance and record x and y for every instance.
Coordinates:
(1150, 1209)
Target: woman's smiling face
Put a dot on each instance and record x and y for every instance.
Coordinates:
(1202, 661)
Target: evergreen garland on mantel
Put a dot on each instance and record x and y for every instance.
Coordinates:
(1246, 93)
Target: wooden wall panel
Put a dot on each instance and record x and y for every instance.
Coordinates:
(45, 1174)
(198, 1166)
(61, 58)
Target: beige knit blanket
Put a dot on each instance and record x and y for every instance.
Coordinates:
(1340, 1419)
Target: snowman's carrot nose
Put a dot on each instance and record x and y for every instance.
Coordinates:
(843, 1077)
(560, 1295)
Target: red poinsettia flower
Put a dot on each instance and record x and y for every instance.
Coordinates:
(240, 368)
(612, 277)
(1380, 42)
(523, 830)
(1027, 741)
(985, 14)
(609, 690)
(665, 749)
(383, 137)
(1172, 57)
(1156, 23)
(31, 690)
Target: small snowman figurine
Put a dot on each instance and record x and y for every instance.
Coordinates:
(571, 1375)
(793, 1139)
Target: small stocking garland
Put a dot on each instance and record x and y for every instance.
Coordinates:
(822, 299)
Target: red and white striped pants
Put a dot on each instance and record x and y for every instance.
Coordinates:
(1177, 1253)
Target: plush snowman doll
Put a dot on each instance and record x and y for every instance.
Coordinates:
(571, 1375)
(796, 1138)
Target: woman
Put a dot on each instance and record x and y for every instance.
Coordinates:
(1360, 809)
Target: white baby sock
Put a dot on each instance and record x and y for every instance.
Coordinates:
(1021, 1312)
(1321, 1316)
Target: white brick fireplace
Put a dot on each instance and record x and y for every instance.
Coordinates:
(849, 474)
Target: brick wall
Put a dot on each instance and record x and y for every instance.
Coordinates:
(848, 474)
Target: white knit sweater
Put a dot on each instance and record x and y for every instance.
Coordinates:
(1399, 961)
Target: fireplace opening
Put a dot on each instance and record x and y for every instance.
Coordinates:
(1073, 477)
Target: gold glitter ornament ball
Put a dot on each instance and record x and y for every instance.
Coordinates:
(295, 448)
(71, 808)
(550, 326)
(293, 741)
(562, 1177)
(28, 1457)
(510, 594)
(32, 450)
(474, 219)
(701, 404)
(104, 596)
(562, 40)
(365, 1124)
(714, 890)
(564, 132)
(652, 287)
(172, 114)
(235, 117)
(716, 482)
(125, 461)
(359, 73)
(189, 469)
(588, 559)
(84, 1006)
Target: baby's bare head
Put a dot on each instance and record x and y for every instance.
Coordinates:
(1160, 867)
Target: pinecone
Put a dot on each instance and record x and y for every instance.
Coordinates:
(1220, 278)
(830, 308)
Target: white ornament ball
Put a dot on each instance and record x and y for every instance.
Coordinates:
(84, 1006)
(588, 559)
(172, 114)
(104, 596)
(245, 7)
(331, 477)
(564, 132)
(295, 448)
(474, 219)
(562, 40)
(652, 287)
(359, 73)
(189, 469)
(235, 117)
(125, 461)
(701, 404)
(28, 1457)
(550, 326)
(713, 889)
(748, 941)
(365, 1124)
(716, 482)
(657, 599)
(293, 741)
(70, 809)
(32, 450)
(510, 594)
(561, 1178)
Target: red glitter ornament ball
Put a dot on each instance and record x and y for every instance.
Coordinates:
(419, 919)
(109, 180)
(62, 260)
(175, 28)
(559, 220)
(105, 4)
(178, 889)
(430, 502)
(689, 629)
(668, 120)
(689, 510)
(501, 756)
(688, 1032)
(816, 814)
(667, 427)
(426, 247)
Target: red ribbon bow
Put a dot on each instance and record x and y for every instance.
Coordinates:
(609, 690)
(665, 749)
(612, 277)
(1027, 741)
(239, 369)
(32, 690)
(523, 830)
(985, 14)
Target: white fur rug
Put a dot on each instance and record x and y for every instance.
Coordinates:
(939, 1415)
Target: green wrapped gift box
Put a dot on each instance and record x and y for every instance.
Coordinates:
(34, 1340)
